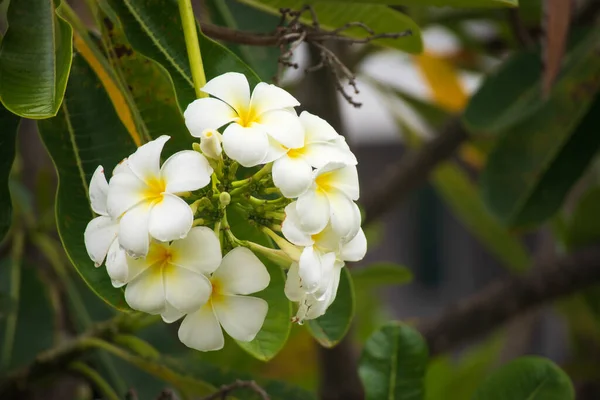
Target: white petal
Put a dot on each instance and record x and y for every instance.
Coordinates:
(116, 265)
(98, 191)
(248, 146)
(241, 272)
(125, 190)
(147, 292)
(313, 267)
(201, 330)
(133, 230)
(319, 154)
(266, 97)
(200, 251)
(345, 215)
(291, 227)
(186, 290)
(185, 171)
(317, 129)
(283, 126)
(232, 88)
(313, 211)
(275, 151)
(145, 162)
(293, 176)
(98, 236)
(135, 266)
(170, 219)
(207, 113)
(171, 314)
(355, 249)
(339, 176)
(328, 240)
(293, 288)
(121, 167)
(210, 143)
(241, 316)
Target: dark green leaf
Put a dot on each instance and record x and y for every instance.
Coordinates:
(583, 228)
(330, 328)
(536, 161)
(35, 58)
(527, 378)
(436, 3)
(154, 29)
(379, 18)
(10, 124)
(380, 274)
(393, 362)
(86, 133)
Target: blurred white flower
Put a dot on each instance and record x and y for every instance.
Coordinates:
(240, 273)
(292, 172)
(144, 195)
(172, 278)
(210, 143)
(260, 124)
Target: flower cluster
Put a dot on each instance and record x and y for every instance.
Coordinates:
(162, 230)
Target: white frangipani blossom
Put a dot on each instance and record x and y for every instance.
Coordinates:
(292, 172)
(258, 125)
(329, 199)
(241, 273)
(101, 233)
(210, 143)
(172, 278)
(144, 195)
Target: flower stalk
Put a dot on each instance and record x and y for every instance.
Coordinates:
(190, 33)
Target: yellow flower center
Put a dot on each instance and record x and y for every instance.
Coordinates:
(217, 291)
(295, 153)
(324, 182)
(160, 257)
(247, 116)
(155, 189)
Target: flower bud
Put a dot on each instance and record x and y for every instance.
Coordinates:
(224, 199)
(210, 143)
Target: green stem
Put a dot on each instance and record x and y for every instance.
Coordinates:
(95, 379)
(190, 33)
(15, 286)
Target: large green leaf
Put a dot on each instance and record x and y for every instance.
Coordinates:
(35, 58)
(583, 228)
(527, 378)
(461, 196)
(379, 18)
(393, 363)
(10, 124)
(536, 161)
(330, 328)
(154, 29)
(436, 3)
(380, 274)
(86, 133)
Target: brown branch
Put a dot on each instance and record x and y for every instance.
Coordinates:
(225, 390)
(507, 298)
(412, 170)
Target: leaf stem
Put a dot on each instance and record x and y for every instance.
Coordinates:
(95, 379)
(190, 33)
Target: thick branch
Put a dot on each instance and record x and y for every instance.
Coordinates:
(503, 300)
(412, 170)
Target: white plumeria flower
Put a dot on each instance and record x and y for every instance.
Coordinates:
(145, 195)
(210, 143)
(260, 124)
(292, 172)
(172, 277)
(101, 233)
(329, 199)
(320, 251)
(241, 273)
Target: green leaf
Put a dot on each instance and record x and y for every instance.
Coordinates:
(583, 228)
(331, 328)
(536, 161)
(436, 3)
(465, 203)
(393, 363)
(380, 18)
(10, 125)
(527, 378)
(380, 274)
(154, 29)
(86, 133)
(35, 58)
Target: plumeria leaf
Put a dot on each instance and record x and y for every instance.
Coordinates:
(10, 124)
(330, 328)
(380, 274)
(527, 378)
(379, 18)
(35, 58)
(393, 364)
(86, 133)
(436, 3)
(583, 227)
(154, 29)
